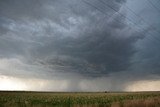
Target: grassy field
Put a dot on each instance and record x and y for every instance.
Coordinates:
(76, 99)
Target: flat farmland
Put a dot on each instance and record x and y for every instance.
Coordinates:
(79, 99)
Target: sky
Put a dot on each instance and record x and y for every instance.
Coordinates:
(80, 45)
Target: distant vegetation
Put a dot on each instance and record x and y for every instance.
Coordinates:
(84, 99)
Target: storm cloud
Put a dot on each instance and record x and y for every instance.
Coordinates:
(73, 41)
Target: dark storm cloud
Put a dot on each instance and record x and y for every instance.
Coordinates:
(99, 52)
(101, 49)
(19, 9)
(146, 60)
(68, 36)
(78, 45)
(3, 28)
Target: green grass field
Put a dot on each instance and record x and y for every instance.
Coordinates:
(79, 99)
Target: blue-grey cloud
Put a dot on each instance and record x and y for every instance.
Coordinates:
(75, 38)
(71, 39)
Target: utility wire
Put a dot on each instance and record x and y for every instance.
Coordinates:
(116, 19)
(142, 19)
(153, 6)
(117, 11)
(124, 16)
(100, 10)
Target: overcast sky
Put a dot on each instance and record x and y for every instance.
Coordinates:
(80, 45)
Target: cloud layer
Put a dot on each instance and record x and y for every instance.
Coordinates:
(56, 40)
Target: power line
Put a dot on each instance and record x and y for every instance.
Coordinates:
(142, 19)
(100, 10)
(135, 24)
(124, 15)
(117, 11)
(103, 12)
(153, 6)
(116, 19)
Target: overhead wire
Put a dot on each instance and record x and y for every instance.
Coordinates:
(154, 6)
(118, 13)
(141, 18)
(143, 33)
(125, 17)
